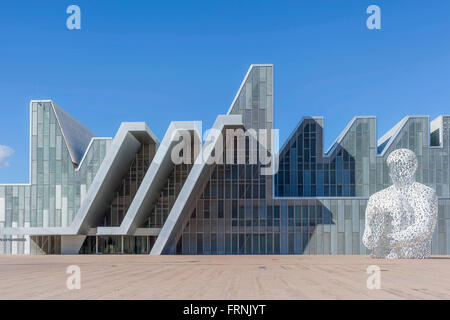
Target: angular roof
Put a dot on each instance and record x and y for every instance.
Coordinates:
(76, 135)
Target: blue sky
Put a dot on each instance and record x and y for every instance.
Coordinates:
(158, 61)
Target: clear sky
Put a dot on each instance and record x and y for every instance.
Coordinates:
(158, 61)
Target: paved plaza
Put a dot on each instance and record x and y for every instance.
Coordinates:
(222, 277)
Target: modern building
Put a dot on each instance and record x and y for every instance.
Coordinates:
(126, 194)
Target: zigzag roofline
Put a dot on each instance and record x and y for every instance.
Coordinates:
(243, 83)
(386, 139)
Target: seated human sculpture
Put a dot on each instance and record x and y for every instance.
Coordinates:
(400, 219)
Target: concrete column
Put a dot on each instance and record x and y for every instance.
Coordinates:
(71, 244)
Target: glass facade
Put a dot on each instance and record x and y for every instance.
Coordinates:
(117, 244)
(124, 194)
(314, 204)
(57, 185)
(305, 172)
(318, 201)
(167, 196)
(46, 245)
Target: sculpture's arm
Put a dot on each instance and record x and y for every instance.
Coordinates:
(374, 225)
(423, 226)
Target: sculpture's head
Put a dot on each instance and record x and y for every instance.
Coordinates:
(402, 164)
